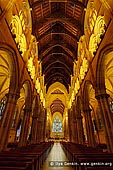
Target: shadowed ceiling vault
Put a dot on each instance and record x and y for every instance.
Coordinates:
(58, 25)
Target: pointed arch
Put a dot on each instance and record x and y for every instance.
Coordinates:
(100, 70)
(10, 58)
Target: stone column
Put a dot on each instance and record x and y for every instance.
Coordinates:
(45, 121)
(34, 123)
(89, 127)
(66, 125)
(66, 136)
(41, 130)
(6, 121)
(40, 124)
(69, 125)
(107, 119)
(38, 137)
(25, 127)
(75, 131)
(34, 129)
(42, 119)
(80, 129)
(73, 127)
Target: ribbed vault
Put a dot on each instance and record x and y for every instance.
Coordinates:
(58, 25)
(57, 106)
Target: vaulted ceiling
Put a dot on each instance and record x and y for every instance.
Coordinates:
(58, 25)
(57, 106)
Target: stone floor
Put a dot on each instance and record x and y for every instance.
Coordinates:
(56, 159)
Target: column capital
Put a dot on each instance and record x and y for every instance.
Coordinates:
(101, 96)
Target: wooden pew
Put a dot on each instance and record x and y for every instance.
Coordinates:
(94, 161)
(28, 159)
(6, 165)
(32, 160)
(99, 168)
(86, 155)
(12, 168)
(34, 155)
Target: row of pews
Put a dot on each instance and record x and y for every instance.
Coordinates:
(30, 157)
(82, 157)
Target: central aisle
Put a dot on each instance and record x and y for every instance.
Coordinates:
(56, 154)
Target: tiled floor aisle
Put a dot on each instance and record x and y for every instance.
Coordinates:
(56, 154)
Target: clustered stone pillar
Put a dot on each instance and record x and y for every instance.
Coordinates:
(89, 127)
(79, 124)
(80, 129)
(45, 121)
(41, 124)
(6, 121)
(37, 124)
(75, 132)
(34, 126)
(47, 129)
(38, 136)
(107, 119)
(39, 131)
(73, 127)
(66, 135)
(42, 121)
(25, 127)
(66, 129)
(74, 124)
(69, 125)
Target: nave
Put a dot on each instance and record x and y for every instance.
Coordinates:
(55, 159)
(56, 83)
(51, 156)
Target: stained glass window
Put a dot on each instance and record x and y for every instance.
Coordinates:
(19, 128)
(57, 125)
(2, 106)
(111, 106)
(14, 119)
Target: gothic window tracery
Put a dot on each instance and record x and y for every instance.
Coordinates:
(57, 125)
